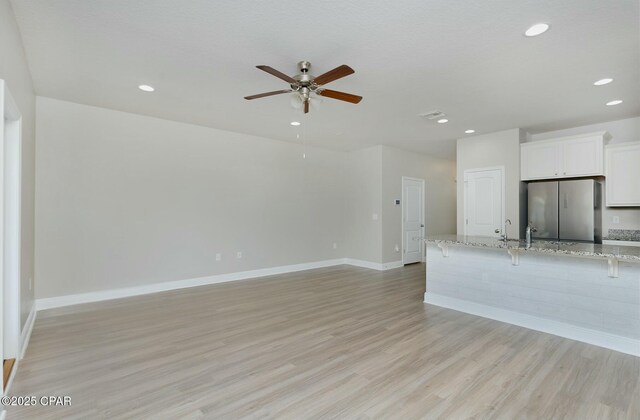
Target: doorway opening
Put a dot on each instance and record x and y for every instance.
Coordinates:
(412, 220)
(10, 243)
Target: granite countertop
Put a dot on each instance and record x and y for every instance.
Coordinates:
(580, 249)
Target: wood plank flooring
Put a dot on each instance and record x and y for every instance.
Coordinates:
(7, 366)
(338, 342)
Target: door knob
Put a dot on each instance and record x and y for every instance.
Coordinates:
(421, 225)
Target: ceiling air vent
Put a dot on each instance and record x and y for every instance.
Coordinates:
(433, 115)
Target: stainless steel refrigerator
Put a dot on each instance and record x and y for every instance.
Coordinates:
(566, 210)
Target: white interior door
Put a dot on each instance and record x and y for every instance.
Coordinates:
(483, 201)
(412, 219)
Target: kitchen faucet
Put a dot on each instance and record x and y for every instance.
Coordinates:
(503, 237)
(530, 230)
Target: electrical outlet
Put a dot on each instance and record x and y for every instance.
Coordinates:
(397, 248)
(335, 245)
(239, 255)
(218, 257)
(615, 220)
(374, 216)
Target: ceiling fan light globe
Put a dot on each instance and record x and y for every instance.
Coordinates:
(316, 102)
(296, 101)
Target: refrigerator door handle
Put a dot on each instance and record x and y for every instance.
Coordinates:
(565, 201)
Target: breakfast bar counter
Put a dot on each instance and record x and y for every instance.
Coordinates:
(514, 247)
(584, 291)
(577, 249)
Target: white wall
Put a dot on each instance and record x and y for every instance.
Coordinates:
(440, 195)
(127, 200)
(364, 213)
(15, 71)
(487, 150)
(622, 131)
(375, 181)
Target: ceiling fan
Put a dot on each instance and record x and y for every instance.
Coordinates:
(304, 84)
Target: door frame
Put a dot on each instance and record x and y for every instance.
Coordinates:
(422, 247)
(464, 195)
(10, 228)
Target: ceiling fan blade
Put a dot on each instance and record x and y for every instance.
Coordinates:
(342, 96)
(278, 74)
(335, 74)
(306, 106)
(262, 95)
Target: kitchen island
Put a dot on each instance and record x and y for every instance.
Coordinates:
(587, 292)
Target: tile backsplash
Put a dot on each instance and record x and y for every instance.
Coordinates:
(624, 234)
(620, 218)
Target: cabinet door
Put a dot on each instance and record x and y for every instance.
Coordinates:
(582, 157)
(539, 161)
(623, 175)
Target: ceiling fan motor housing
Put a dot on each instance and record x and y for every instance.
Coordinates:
(304, 78)
(304, 66)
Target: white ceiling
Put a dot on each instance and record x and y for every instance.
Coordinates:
(467, 58)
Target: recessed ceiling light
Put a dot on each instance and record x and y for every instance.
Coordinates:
(602, 82)
(616, 102)
(146, 88)
(537, 29)
(470, 131)
(443, 120)
(295, 123)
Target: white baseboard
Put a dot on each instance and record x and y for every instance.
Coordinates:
(67, 300)
(59, 301)
(26, 331)
(392, 265)
(373, 265)
(363, 264)
(574, 332)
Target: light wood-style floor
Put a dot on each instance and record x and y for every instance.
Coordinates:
(338, 342)
(7, 367)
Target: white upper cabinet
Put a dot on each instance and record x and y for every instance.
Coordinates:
(539, 161)
(623, 174)
(565, 157)
(583, 157)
